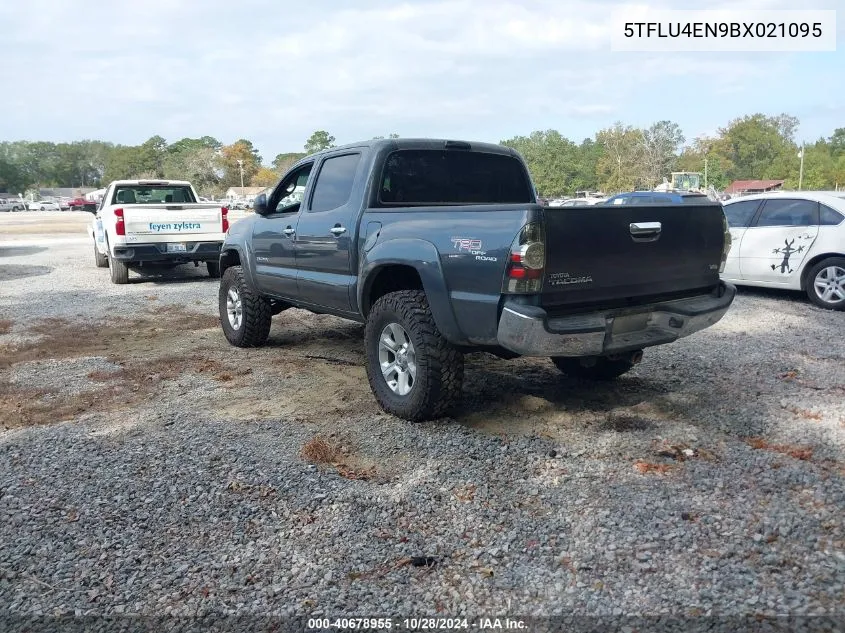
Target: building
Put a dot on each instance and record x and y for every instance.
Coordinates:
(243, 193)
(65, 192)
(747, 187)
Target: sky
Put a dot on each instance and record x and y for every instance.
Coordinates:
(485, 70)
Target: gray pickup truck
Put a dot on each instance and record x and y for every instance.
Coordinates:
(440, 248)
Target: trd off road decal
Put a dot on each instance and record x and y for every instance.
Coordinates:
(472, 246)
(786, 251)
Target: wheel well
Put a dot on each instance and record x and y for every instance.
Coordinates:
(390, 279)
(228, 259)
(810, 263)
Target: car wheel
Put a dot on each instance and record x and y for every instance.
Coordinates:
(414, 373)
(43, 209)
(244, 315)
(213, 269)
(826, 283)
(597, 367)
(119, 271)
(101, 261)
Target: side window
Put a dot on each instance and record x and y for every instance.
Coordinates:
(739, 214)
(289, 193)
(334, 182)
(829, 217)
(785, 212)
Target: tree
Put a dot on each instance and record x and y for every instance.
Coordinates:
(151, 156)
(837, 142)
(552, 161)
(759, 147)
(283, 162)
(658, 151)
(11, 178)
(319, 141)
(244, 151)
(195, 160)
(264, 177)
(619, 168)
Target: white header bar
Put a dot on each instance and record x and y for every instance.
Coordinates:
(723, 30)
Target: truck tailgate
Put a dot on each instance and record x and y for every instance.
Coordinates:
(604, 254)
(168, 220)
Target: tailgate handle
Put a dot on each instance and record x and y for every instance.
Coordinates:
(645, 231)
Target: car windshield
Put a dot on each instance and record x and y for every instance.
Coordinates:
(152, 194)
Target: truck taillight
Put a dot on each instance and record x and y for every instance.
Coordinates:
(119, 226)
(224, 212)
(527, 261)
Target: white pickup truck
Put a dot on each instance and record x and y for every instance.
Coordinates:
(153, 223)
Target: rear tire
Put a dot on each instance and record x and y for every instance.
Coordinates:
(603, 368)
(827, 279)
(102, 261)
(213, 269)
(401, 336)
(244, 315)
(119, 271)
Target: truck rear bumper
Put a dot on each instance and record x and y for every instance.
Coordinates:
(158, 252)
(529, 331)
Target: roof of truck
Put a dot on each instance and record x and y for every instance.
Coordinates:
(420, 143)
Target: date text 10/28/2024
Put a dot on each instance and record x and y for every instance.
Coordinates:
(415, 624)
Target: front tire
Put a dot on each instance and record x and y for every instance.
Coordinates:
(213, 269)
(414, 373)
(594, 368)
(826, 283)
(102, 261)
(119, 271)
(245, 316)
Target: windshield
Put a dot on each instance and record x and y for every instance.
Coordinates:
(152, 194)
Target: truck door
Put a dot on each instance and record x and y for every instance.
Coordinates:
(773, 248)
(273, 236)
(326, 233)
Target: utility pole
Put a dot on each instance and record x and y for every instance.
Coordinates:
(241, 166)
(801, 169)
(705, 172)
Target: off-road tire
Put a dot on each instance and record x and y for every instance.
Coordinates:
(811, 288)
(256, 317)
(604, 369)
(440, 367)
(101, 261)
(213, 269)
(118, 270)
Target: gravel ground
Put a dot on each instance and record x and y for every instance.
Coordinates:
(146, 467)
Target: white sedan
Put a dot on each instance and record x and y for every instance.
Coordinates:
(44, 205)
(790, 240)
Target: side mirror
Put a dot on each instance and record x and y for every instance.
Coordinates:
(260, 204)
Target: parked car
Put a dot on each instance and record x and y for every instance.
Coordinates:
(658, 197)
(12, 204)
(440, 248)
(64, 203)
(793, 240)
(44, 205)
(142, 222)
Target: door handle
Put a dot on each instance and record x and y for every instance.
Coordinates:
(645, 228)
(289, 231)
(337, 230)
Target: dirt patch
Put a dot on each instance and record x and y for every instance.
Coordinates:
(144, 352)
(332, 452)
(803, 453)
(6, 326)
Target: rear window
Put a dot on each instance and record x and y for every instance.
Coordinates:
(152, 194)
(442, 177)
